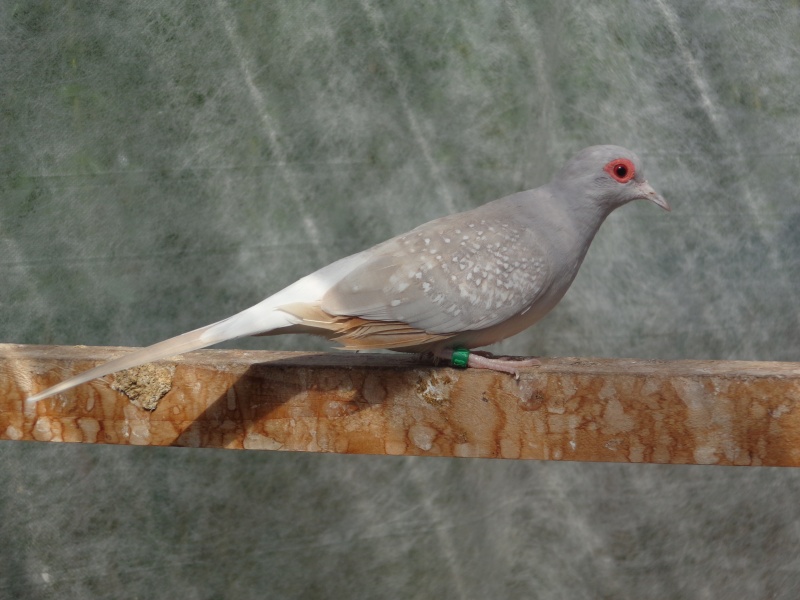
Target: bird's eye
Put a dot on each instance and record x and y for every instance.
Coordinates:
(621, 170)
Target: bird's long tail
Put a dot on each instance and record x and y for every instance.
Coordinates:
(263, 318)
(260, 318)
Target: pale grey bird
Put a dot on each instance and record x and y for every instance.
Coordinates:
(459, 282)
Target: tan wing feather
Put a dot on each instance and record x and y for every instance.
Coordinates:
(355, 333)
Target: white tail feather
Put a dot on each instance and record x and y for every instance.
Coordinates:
(260, 318)
(177, 345)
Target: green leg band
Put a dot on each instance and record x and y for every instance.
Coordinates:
(460, 358)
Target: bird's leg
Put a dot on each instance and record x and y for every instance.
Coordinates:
(506, 364)
(520, 361)
(487, 360)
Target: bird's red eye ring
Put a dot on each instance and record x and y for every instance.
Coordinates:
(621, 170)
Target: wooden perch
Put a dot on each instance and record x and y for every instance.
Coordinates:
(687, 412)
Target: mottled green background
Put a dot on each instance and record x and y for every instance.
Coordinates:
(164, 164)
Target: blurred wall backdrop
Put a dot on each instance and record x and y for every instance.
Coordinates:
(164, 164)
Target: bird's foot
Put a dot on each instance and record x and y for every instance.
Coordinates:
(485, 360)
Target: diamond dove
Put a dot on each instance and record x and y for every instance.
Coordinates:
(455, 283)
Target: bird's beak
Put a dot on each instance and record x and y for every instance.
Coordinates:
(646, 192)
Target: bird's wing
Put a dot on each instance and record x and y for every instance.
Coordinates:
(459, 273)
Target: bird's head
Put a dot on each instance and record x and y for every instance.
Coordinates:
(608, 177)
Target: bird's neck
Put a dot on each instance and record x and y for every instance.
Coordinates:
(588, 216)
(574, 221)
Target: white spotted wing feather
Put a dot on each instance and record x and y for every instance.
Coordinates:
(453, 274)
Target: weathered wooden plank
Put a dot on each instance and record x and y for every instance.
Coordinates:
(687, 412)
